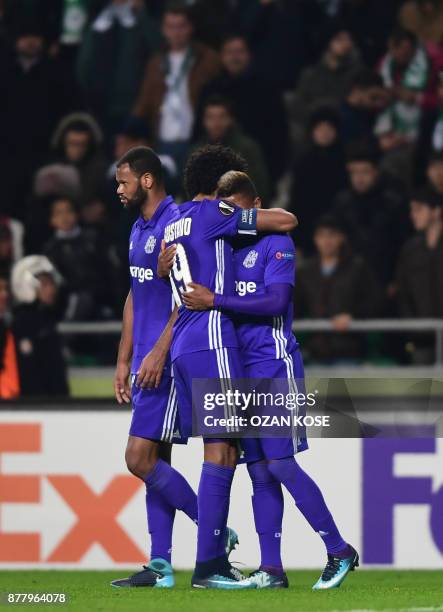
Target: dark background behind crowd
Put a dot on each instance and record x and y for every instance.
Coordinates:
(337, 105)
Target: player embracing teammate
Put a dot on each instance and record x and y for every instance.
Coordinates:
(269, 350)
(199, 237)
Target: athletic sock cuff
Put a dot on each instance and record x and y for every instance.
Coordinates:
(220, 471)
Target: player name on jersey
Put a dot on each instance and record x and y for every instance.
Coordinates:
(176, 230)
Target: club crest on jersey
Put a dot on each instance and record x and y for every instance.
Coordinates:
(150, 245)
(225, 208)
(250, 259)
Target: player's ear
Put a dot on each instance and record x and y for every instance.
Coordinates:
(257, 202)
(147, 180)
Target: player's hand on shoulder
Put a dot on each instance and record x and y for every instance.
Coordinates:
(151, 368)
(122, 389)
(165, 259)
(198, 297)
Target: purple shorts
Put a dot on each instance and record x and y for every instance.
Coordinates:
(215, 363)
(257, 449)
(154, 412)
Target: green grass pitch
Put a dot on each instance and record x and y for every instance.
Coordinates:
(370, 590)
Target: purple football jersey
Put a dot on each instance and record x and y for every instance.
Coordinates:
(258, 264)
(151, 296)
(204, 255)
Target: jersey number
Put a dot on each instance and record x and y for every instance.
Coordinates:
(180, 274)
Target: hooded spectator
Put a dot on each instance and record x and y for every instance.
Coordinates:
(77, 142)
(41, 361)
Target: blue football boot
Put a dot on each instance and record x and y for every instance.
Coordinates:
(336, 570)
(230, 579)
(157, 574)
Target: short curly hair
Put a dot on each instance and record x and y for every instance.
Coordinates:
(207, 165)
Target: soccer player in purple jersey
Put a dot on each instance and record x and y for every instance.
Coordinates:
(265, 274)
(204, 344)
(148, 317)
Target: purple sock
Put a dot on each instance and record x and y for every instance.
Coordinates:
(213, 507)
(309, 500)
(267, 503)
(174, 488)
(160, 523)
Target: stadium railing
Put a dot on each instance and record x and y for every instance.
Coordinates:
(434, 326)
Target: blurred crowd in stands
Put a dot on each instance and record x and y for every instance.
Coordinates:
(337, 105)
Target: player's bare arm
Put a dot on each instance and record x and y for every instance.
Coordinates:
(151, 368)
(275, 220)
(165, 259)
(121, 378)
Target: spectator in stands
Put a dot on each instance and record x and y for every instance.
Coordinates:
(76, 254)
(420, 265)
(265, 121)
(323, 157)
(52, 181)
(365, 98)
(112, 57)
(220, 127)
(327, 82)
(173, 81)
(38, 94)
(77, 142)
(335, 285)
(373, 212)
(9, 377)
(405, 71)
(41, 361)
